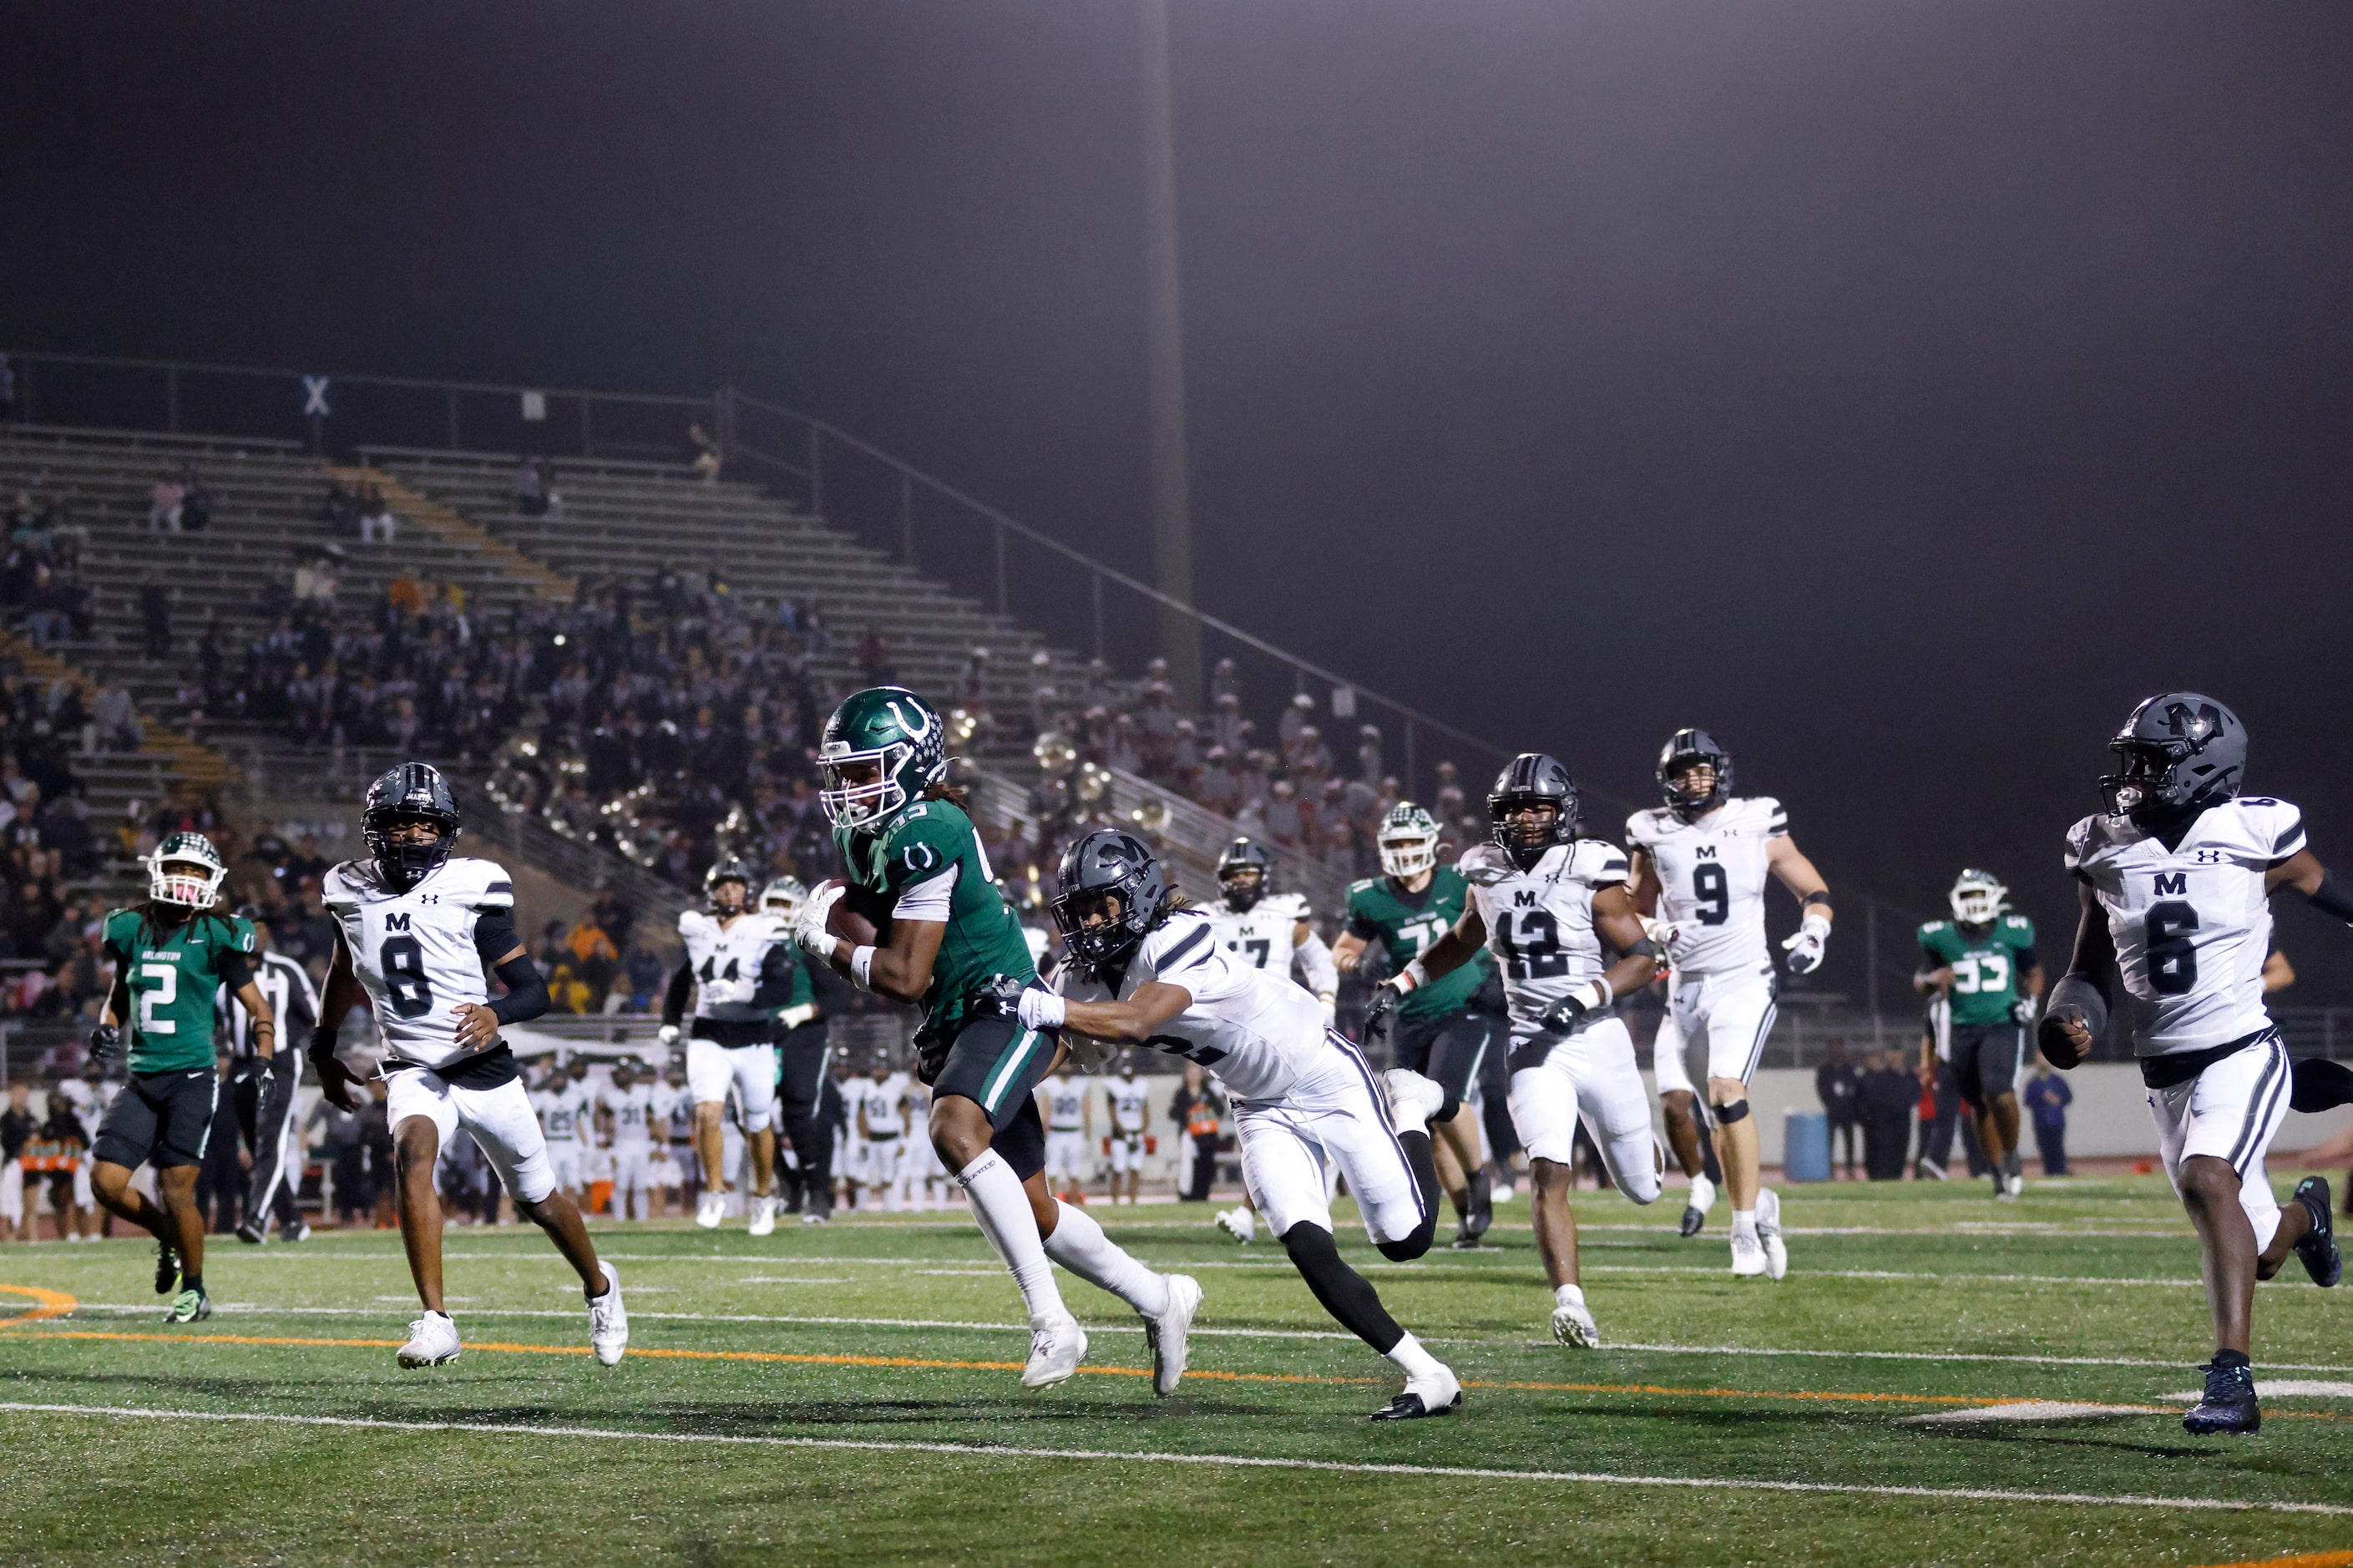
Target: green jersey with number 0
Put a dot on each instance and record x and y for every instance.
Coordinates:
(174, 975)
(1405, 924)
(928, 840)
(1987, 963)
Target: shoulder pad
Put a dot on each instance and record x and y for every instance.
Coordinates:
(692, 920)
(1599, 861)
(2273, 827)
(1300, 908)
(1642, 828)
(1366, 886)
(2015, 921)
(353, 874)
(1765, 815)
(2088, 836)
(1484, 865)
(478, 881)
(1931, 928)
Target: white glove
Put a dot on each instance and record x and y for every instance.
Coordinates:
(1331, 1009)
(1805, 945)
(667, 1035)
(1658, 933)
(809, 921)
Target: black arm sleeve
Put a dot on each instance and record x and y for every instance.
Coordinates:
(526, 997)
(2334, 897)
(776, 972)
(494, 934)
(674, 999)
(236, 970)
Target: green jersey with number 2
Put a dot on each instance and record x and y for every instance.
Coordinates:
(928, 840)
(1405, 924)
(174, 975)
(1987, 963)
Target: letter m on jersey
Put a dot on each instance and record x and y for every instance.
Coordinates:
(396, 922)
(1705, 852)
(2172, 882)
(1522, 900)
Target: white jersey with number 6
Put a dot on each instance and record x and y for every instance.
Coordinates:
(414, 951)
(1540, 921)
(1257, 1032)
(1712, 880)
(2191, 924)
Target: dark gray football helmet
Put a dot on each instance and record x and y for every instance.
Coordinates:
(1530, 779)
(411, 792)
(1688, 749)
(1114, 874)
(1243, 872)
(2181, 752)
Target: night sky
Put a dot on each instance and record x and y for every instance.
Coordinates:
(1899, 390)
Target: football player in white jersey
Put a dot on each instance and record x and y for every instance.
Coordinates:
(2176, 877)
(415, 929)
(1272, 931)
(1701, 863)
(1131, 1105)
(883, 1124)
(1544, 902)
(740, 966)
(1070, 1128)
(567, 1103)
(1142, 970)
(628, 1110)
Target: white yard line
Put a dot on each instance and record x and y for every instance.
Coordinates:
(1238, 1461)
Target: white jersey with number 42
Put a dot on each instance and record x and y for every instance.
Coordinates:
(2191, 924)
(414, 951)
(1540, 921)
(1711, 881)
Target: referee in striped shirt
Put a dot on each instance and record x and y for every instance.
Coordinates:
(262, 1091)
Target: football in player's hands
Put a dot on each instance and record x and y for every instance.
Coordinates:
(2065, 1036)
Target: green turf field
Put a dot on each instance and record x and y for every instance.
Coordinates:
(849, 1394)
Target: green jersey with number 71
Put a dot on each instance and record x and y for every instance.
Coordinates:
(174, 975)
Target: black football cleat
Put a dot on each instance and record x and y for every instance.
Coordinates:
(1692, 1219)
(167, 1270)
(254, 1232)
(1442, 1397)
(1481, 1194)
(2229, 1404)
(2317, 1251)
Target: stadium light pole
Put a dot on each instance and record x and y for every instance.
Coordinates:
(1172, 522)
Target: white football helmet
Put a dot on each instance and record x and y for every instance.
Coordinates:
(783, 898)
(1978, 898)
(185, 869)
(1407, 840)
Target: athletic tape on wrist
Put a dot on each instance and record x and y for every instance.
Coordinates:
(861, 962)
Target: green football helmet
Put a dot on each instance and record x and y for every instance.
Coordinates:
(185, 869)
(882, 749)
(1407, 840)
(1978, 898)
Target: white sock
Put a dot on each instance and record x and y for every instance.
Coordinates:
(1080, 1246)
(1413, 1360)
(1569, 1296)
(1002, 1211)
(1744, 1222)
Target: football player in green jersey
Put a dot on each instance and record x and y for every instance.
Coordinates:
(172, 956)
(1981, 961)
(942, 933)
(1444, 1029)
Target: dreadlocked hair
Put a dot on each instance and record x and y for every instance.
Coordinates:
(955, 794)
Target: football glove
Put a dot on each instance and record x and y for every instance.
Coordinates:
(1806, 944)
(1658, 933)
(810, 923)
(1385, 998)
(106, 1044)
(1563, 1016)
(998, 996)
(667, 1035)
(2022, 1011)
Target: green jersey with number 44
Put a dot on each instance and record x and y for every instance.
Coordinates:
(1987, 963)
(1405, 924)
(174, 975)
(928, 864)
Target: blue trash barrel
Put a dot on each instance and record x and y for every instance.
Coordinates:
(1805, 1147)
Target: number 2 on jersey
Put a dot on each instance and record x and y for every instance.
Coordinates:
(402, 959)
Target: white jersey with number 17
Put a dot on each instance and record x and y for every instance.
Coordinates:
(2191, 924)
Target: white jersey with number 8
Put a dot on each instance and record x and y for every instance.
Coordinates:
(2191, 924)
(414, 951)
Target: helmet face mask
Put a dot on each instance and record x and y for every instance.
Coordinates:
(728, 872)
(410, 823)
(1694, 774)
(1531, 808)
(882, 749)
(1242, 873)
(2180, 752)
(1407, 841)
(1978, 898)
(1109, 893)
(185, 871)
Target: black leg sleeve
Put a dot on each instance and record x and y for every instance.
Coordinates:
(805, 1054)
(270, 1186)
(1405, 1250)
(1348, 1295)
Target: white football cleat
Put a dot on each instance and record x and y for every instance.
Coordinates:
(1572, 1320)
(710, 1213)
(1056, 1348)
(1166, 1334)
(432, 1342)
(1747, 1256)
(1238, 1222)
(2014, 1185)
(1436, 1393)
(763, 1217)
(608, 1321)
(1413, 1098)
(1768, 1232)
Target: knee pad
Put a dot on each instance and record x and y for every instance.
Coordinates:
(1446, 1109)
(1725, 1115)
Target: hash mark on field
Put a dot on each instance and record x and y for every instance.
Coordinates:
(1238, 1461)
(2037, 1410)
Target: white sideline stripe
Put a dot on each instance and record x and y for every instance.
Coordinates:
(2281, 1388)
(259, 1309)
(1244, 1461)
(2037, 1410)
